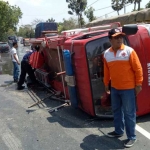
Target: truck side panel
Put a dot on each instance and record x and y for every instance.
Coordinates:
(141, 45)
(81, 76)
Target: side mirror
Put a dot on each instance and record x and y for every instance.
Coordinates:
(130, 29)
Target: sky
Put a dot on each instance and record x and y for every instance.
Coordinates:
(58, 9)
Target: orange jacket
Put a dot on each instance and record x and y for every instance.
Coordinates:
(123, 68)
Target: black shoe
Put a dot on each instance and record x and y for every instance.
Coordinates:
(129, 143)
(114, 134)
(20, 87)
(16, 80)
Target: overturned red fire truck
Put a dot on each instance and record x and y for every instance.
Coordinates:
(73, 65)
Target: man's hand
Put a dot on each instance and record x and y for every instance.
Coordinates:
(107, 89)
(15, 57)
(138, 89)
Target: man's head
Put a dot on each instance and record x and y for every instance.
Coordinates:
(116, 37)
(37, 48)
(15, 45)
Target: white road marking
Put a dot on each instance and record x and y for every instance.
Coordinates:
(10, 140)
(142, 131)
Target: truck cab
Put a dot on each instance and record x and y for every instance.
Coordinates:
(87, 62)
(45, 27)
(83, 85)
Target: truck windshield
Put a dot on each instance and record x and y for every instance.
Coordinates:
(94, 52)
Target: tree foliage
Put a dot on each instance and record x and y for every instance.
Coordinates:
(136, 3)
(36, 21)
(77, 7)
(117, 5)
(50, 20)
(147, 5)
(9, 18)
(26, 31)
(90, 14)
(71, 23)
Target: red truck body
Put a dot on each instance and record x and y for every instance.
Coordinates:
(140, 42)
(87, 63)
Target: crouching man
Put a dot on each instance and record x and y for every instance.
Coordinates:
(27, 69)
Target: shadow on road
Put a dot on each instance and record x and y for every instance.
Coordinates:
(95, 142)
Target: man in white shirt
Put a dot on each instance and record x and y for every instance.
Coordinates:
(15, 61)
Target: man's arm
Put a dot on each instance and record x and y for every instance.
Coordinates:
(137, 68)
(15, 57)
(106, 77)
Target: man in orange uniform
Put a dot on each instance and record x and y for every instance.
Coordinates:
(123, 68)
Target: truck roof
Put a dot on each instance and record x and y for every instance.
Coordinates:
(147, 26)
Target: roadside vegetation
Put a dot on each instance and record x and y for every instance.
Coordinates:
(9, 18)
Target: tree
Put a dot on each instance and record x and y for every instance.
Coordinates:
(36, 21)
(138, 2)
(4, 36)
(9, 17)
(26, 31)
(11, 32)
(147, 5)
(77, 7)
(50, 20)
(117, 5)
(90, 14)
(71, 23)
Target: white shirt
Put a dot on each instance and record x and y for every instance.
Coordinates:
(13, 51)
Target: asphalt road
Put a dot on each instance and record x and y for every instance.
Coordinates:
(35, 128)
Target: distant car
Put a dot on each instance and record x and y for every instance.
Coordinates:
(12, 39)
(4, 47)
(21, 41)
(26, 42)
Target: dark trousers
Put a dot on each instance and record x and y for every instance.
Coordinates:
(26, 69)
(124, 110)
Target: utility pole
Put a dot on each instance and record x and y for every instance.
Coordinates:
(124, 8)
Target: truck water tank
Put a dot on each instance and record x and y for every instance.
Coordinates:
(70, 78)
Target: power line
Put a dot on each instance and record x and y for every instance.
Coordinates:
(110, 6)
(92, 3)
(103, 8)
(107, 14)
(112, 11)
